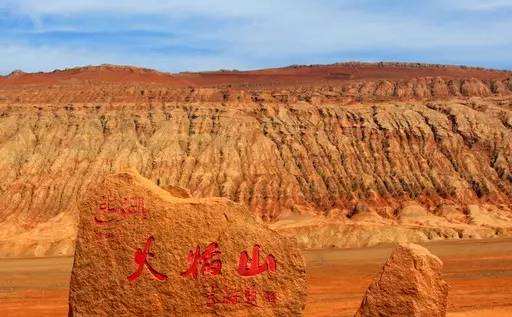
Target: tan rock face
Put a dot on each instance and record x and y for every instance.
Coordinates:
(273, 158)
(410, 284)
(280, 151)
(141, 251)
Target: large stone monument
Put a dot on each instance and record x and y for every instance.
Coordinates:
(141, 251)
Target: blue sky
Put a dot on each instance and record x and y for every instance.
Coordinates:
(41, 35)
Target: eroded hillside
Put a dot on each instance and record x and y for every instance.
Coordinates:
(337, 168)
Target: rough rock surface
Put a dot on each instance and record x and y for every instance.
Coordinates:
(410, 284)
(141, 251)
(293, 154)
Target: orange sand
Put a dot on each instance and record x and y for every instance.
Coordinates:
(479, 274)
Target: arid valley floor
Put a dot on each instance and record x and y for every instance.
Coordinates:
(479, 273)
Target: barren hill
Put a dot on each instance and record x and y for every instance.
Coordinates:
(341, 83)
(345, 155)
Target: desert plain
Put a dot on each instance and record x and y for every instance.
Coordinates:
(479, 274)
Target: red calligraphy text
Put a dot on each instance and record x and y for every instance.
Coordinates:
(206, 263)
(124, 207)
(250, 296)
(211, 298)
(252, 267)
(227, 297)
(141, 260)
(270, 297)
(231, 296)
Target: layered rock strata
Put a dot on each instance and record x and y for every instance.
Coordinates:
(333, 173)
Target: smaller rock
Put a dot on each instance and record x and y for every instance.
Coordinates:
(412, 211)
(177, 191)
(480, 216)
(451, 213)
(410, 284)
(364, 213)
(336, 213)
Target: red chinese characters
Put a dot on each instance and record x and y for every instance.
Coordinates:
(102, 236)
(232, 296)
(252, 267)
(211, 298)
(124, 207)
(250, 296)
(206, 263)
(141, 260)
(270, 297)
(228, 296)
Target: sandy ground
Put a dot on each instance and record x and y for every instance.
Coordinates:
(479, 274)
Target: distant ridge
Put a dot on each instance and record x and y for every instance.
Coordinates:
(347, 82)
(370, 66)
(382, 64)
(403, 64)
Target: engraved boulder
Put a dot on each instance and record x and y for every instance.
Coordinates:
(141, 251)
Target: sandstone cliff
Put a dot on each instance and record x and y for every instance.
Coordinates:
(409, 159)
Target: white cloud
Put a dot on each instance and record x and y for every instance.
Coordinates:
(481, 5)
(228, 8)
(32, 59)
(257, 33)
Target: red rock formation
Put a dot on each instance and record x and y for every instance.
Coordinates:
(260, 138)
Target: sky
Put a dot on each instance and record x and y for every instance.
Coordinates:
(194, 35)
